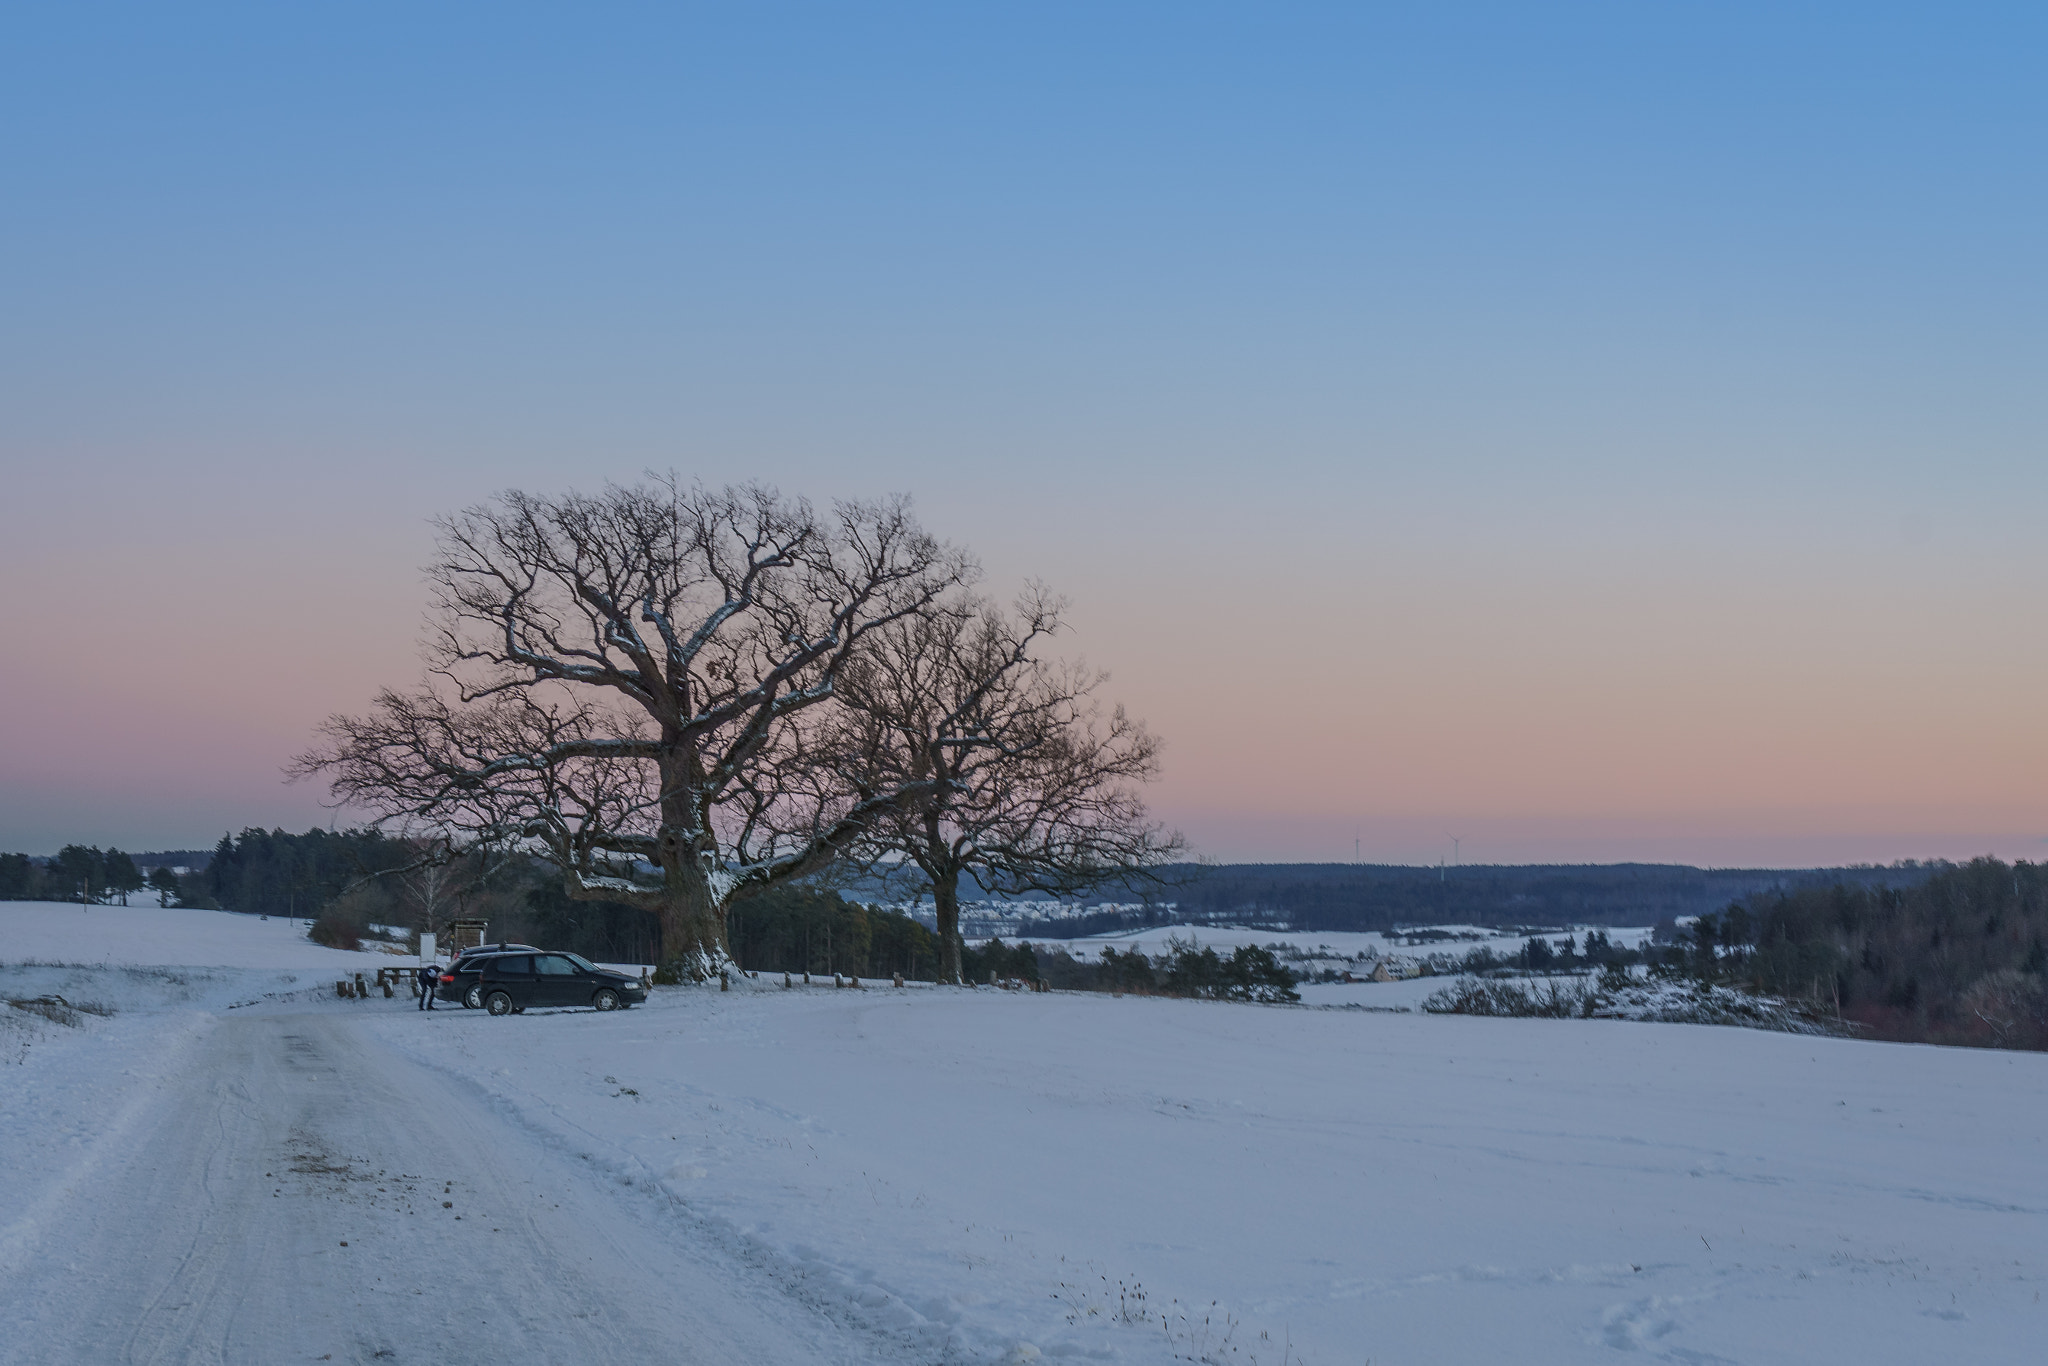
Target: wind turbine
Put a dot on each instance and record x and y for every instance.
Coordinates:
(1455, 840)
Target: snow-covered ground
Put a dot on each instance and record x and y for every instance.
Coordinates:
(1408, 995)
(946, 1175)
(64, 932)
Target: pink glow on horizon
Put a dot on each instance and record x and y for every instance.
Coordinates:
(1539, 732)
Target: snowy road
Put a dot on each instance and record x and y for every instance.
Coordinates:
(300, 1192)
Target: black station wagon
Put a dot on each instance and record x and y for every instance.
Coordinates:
(458, 979)
(512, 982)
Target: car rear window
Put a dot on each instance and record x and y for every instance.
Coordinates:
(513, 965)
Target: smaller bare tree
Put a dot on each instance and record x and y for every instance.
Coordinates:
(2012, 1006)
(438, 884)
(1026, 784)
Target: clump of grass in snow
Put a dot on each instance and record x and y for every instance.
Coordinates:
(57, 1010)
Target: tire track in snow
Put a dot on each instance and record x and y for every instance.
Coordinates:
(303, 1193)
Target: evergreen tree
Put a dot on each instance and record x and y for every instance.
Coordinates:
(122, 876)
(164, 883)
(1129, 970)
(20, 879)
(77, 872)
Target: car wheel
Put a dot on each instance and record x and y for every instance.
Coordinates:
(606, 999)
(472, 998)
(499, 1003)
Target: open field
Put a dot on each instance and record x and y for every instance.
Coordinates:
(150, 936)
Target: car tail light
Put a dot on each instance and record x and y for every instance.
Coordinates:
(447, 976)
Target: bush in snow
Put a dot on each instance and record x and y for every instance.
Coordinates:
(344, 923)
(1547, 1000)
(1617, 996)
(1128, 971)
(2013, 1006)
(1249, 974)
(1679, 1002)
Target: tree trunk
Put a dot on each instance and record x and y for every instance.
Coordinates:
(692, 924)
(946, 900)
(693, 910)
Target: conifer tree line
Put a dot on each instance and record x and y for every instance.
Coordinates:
(683, 699)
(266, 872)
(1961, 958)
(78, 872)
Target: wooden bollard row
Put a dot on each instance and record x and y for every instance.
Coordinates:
(788, 982)
(359, 990)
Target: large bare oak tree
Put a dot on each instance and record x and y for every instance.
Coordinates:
(1013, 772)
(623, 679)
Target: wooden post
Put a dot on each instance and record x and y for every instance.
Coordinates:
(786, 983)
(724, 982)
(899, 979)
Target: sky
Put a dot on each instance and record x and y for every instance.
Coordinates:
(1597, 432)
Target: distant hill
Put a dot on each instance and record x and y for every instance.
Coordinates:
(1351, 896)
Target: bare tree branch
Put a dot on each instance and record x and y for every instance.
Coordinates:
(626, 679)
(1030, 786)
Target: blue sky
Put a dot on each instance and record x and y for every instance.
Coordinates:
(1615, 429)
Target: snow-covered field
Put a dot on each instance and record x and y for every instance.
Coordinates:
(1408, 995)
(62, 932)
(942, 1175)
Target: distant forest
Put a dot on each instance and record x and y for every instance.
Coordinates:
(276, 873)
(1961, 957)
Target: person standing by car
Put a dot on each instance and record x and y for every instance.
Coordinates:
(430, 974)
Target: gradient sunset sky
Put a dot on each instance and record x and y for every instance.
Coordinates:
(1598, 431)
